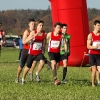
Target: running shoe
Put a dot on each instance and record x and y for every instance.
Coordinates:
(57, 82)
(64, 81)
(31, 76)
(99, 83)
(23, 82)
(38, 78)
(16, 80)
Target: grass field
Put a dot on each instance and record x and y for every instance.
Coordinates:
(78, 86)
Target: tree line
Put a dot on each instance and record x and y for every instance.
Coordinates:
(15, 21)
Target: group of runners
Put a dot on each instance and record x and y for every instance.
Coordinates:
(34, 40)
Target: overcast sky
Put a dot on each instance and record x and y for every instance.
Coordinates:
(37, 4)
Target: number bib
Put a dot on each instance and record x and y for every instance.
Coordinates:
(37, 46)
(55, 44)
(95, 43)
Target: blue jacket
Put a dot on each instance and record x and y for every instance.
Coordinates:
(20, 44)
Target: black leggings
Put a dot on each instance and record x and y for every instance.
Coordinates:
(24, 56)
(20, 54)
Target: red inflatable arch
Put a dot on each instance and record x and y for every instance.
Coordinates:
(73, 13)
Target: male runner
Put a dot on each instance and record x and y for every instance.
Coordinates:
(26, 47)
(64, 55)
(37, 47)
(55, 39)
(93, 44)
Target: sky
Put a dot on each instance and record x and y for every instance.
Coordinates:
(36, 4)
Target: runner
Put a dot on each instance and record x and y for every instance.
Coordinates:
(55, 39)
(93, 44)
(26, 47)
(37, 47)
(63, 54)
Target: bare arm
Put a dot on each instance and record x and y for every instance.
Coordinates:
(48, 35)
(89, 42)
(68, 45)
(44, 43)
(65, 44)
(27, 39)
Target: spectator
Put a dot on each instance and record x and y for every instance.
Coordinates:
(20, 46)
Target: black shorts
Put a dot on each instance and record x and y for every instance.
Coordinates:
(32, 58)
(24, 55)
(63, 57)
(54, 56)
(94, 59)
(45, 59)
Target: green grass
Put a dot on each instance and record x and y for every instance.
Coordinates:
(9, 55)
(78, 86)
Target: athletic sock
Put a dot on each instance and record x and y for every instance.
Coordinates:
(55, 78)
(23, 80)
(64, 72)
(37, 73)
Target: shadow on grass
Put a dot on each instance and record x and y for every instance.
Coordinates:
(72, 82)
(79, 82)
(8, 62)
(42, 81)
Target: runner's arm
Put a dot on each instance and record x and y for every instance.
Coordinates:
(44, 44)
(68, 46)
(89, 42)
(65, 45)
(27, 39)
(48, 35)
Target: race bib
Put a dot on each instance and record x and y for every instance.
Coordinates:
(37, 46)
(55, 44)
(95, 43)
